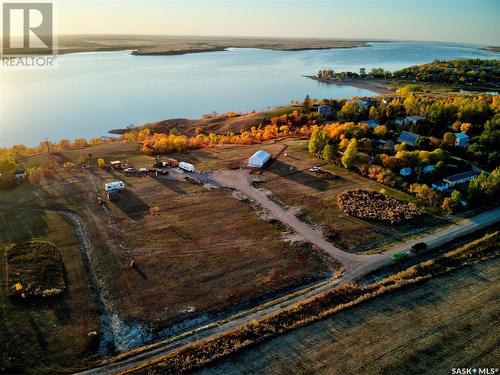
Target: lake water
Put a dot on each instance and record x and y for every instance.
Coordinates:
(91, 93)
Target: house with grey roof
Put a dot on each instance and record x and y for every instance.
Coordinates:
(408, 137)
(326, 111)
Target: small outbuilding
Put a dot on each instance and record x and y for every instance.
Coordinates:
(461, 140)
(116, 164)
(20, 175)
(405, 172)
(440, 186)
(258, 159)
(428, 169)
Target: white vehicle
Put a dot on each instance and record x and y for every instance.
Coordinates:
(186, 166)
(315, 169)
(114, 186)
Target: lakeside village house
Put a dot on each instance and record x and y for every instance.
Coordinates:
(326, 111)
(408, 137)
(408, 120)
(454, 180)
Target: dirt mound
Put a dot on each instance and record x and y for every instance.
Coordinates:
(35, 269)
(366, 204)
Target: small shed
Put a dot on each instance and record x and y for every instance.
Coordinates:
(461, 140)
(116, 164)
(405, 172)
(428, 169)
(258, 159)
(171, 162)
(440, 186)
(388, 145)
(20, 175)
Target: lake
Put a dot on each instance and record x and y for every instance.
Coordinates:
(91, 93)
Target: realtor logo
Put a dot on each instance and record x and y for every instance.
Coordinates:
(27, 29)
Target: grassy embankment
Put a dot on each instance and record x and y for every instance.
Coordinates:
(199, 354)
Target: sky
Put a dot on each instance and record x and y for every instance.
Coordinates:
(473, 21)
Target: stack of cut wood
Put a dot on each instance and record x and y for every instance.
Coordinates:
(367, 204)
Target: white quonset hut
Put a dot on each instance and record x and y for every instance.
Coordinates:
(258, 159)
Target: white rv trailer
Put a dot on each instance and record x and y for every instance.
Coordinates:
(114, 186)
(186, 166)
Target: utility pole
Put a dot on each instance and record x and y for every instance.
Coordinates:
(48, 146)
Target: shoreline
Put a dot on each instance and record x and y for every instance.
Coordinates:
(377, 86)
(164, 45)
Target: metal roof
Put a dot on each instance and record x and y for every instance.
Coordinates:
(408, 137)
(461, 136)
(461, 176)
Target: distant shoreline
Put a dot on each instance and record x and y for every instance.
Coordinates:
(492, 48)
(165, 46)
(376, 86)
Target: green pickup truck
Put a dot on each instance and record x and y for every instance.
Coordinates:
(399, 256)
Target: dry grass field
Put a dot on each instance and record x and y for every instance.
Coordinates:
(315, 196)
(196, 251)
(448, 321)
(51, 335)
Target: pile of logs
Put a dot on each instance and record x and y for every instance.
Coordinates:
(366, 204)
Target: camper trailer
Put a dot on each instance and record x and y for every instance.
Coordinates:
(114, 186)
(186, 166)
